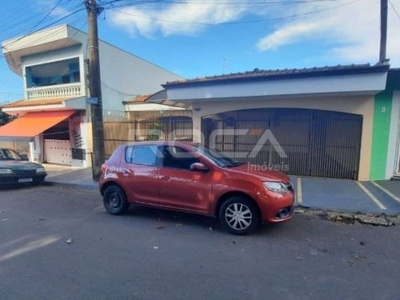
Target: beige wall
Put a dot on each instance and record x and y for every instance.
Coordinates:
(361, 105)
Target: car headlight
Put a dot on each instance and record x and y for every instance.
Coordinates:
(277, 187)
(6, 171)
(40, 170)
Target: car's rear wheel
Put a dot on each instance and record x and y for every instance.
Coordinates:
(114, 200)
(239, 215)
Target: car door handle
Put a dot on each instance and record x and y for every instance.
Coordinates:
(165, 178)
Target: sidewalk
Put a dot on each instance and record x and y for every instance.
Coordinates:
(67, 176)
(340, 195)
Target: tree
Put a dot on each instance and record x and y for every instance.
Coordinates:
(5, 118)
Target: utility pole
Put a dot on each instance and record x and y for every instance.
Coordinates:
(96, 107)
(384, 17)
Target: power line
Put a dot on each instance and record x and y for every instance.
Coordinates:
(117, 91)
(111, 3)
(48, 25)
(23, 28)
(394, 9)
(42, 20)
(245, 22)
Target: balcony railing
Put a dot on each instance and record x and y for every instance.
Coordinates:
(58, 91)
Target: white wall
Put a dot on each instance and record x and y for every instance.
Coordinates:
(125, 76)
(344, 84)
(393, 158)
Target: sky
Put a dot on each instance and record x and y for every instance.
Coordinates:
(197, 38)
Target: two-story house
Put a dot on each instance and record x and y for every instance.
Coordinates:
(54, 115)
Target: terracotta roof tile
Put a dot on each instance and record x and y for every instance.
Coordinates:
(285, 73)
(137, 99)
(29, 103)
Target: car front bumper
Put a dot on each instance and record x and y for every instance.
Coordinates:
(277, 207)
(6, 179)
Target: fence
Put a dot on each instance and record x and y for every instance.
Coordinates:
(148, 127)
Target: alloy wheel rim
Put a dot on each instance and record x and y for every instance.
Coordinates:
(238, 216)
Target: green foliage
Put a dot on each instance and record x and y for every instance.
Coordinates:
(5, 118)
(153, 133)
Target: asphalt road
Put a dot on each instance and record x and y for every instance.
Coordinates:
(59, 243)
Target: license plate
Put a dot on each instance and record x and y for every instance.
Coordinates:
(25, 180)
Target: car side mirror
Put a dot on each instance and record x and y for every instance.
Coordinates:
(199, 167)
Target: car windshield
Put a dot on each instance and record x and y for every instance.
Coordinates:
(8, 154)
(218, 157)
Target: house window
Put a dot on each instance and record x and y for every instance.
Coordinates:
(60, 72)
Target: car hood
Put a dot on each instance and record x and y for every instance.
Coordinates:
(19, 164)
(264, 175)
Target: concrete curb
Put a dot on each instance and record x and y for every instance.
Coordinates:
(300, 207)
(351, 217)
(71, 185)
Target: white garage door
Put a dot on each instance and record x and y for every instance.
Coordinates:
(57, 152)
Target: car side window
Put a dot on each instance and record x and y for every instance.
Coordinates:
(175, 157)
(141, 155)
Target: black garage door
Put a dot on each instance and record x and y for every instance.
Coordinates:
(297, 141)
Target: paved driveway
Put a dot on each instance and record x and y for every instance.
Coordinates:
(382, 197)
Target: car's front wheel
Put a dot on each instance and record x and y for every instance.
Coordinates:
(239, 215)
(114, 200)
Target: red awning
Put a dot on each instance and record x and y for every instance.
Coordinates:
(33, 123)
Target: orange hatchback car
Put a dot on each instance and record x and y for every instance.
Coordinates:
(189, 178)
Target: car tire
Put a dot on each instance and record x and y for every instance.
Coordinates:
(239, 215)
(114, 200)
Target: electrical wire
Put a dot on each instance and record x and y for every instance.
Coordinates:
(244, 22)
(53, 33)
(42, 20)
(44, 27)
(117, 91)
(269, 3)
(22, 28)
(394, 9)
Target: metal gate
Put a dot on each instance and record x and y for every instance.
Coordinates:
(296, 141)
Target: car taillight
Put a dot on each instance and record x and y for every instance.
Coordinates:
(103, 168)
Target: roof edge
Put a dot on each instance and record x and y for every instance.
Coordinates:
(257, 74)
